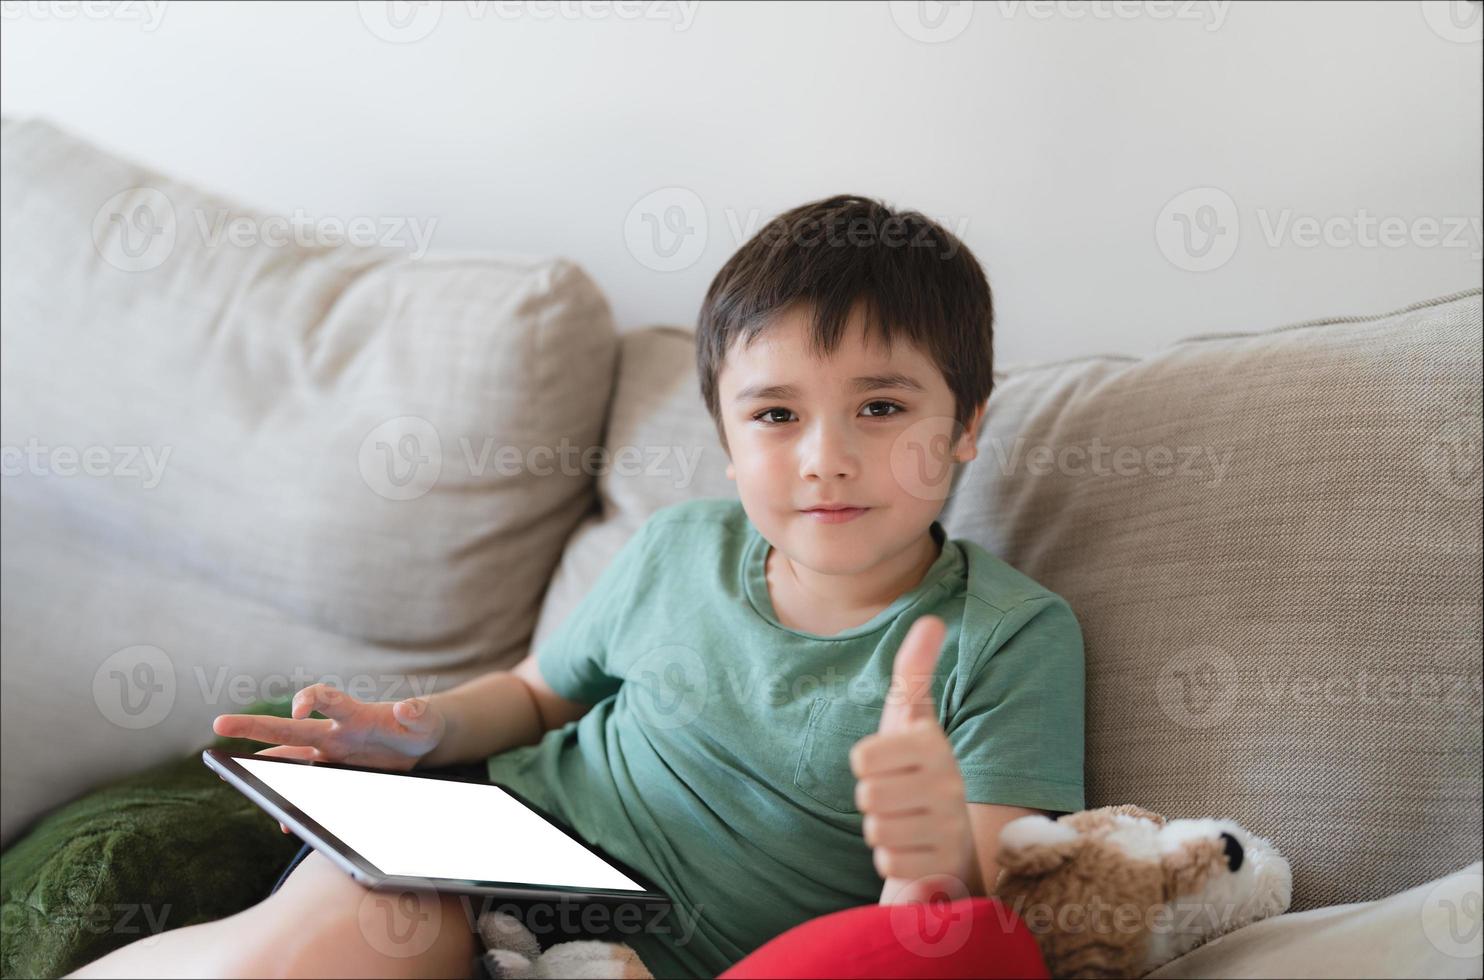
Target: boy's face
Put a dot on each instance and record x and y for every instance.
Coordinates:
(883, 446)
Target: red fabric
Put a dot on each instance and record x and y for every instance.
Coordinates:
(970, 937)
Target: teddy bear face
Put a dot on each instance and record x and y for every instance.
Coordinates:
(1119, 890)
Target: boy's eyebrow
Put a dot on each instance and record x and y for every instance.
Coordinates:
(869, 382)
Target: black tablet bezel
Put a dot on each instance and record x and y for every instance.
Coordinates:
(321, 839)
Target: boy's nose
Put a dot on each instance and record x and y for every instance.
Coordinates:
(828, 454)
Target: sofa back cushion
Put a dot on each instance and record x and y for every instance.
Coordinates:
(238, 460)
(1272, 542)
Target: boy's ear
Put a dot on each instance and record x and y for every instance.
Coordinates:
(968, 447)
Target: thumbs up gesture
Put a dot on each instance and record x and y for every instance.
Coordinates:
(908, 784)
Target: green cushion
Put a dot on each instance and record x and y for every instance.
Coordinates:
(165, 848)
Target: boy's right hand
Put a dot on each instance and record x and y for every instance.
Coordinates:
(377, 734)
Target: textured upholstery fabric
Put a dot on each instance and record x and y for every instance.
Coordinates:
(357, 468)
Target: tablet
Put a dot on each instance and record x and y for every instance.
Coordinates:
(423, 830)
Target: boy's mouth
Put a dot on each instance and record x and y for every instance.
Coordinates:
(834, 513)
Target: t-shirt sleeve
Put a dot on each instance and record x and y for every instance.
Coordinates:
(575, 658)
(1018, 732)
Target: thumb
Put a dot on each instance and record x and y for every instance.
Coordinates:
(414, 713)
(910, 698)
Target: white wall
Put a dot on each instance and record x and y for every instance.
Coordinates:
(1053, 135)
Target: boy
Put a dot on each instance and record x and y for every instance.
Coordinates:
(777, 707)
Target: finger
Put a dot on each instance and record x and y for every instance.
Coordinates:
(921, 745)
(291, 752)
(416, 714)
(328, 701)
(266, 728)
(917, 830)
(892, 795)
(911, 694)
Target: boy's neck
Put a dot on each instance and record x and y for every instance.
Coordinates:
(847, 599)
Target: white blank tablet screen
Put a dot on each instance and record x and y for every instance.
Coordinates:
(438, 828)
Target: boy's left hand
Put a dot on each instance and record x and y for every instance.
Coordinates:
(908, 784)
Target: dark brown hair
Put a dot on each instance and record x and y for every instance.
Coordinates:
(913, 280)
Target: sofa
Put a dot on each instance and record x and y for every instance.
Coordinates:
(238, 464)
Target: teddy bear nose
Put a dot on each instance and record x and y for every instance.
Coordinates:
(1233, 848)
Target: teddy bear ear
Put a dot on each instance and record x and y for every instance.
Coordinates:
(1036, 845)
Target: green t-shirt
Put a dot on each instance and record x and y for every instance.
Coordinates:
(721, 770)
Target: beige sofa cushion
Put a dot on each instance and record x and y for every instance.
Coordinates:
(348, 477)
(1282, 618)
(662, 449)
(1432, 930)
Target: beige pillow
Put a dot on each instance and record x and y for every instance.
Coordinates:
(662, 449)
(235, 468)
(1276, 566)
(1432, 930)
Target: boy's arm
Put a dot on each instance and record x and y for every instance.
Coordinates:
(498, 711)
(986, 820)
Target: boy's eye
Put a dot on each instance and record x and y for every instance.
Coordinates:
(897, 409)
(875, 410)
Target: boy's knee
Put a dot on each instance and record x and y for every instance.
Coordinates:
(338, 927)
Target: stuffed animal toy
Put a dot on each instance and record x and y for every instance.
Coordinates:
(1119, 891)
(512, 953)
